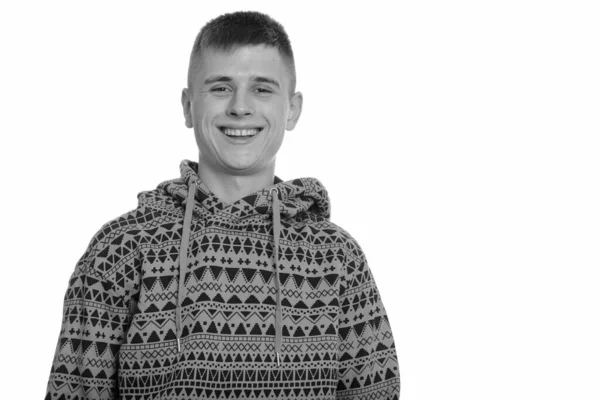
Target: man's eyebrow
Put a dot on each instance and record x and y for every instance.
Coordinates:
(255, 78)
(264, 79)
(217, 78)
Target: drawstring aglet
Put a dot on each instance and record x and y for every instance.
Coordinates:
(278, 360)
(178, 345)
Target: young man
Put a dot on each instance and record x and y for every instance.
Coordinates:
(228, 281)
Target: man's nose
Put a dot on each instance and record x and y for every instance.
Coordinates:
(241, 105)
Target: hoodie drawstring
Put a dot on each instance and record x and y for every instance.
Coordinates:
(185, 240)
(276, 229)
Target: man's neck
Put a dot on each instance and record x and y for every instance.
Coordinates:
(230, 188)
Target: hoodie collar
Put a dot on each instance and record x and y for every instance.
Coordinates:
(297, 196)
(285, 199)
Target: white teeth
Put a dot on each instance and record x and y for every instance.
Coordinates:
(240, 132)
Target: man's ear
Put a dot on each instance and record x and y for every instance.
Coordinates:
(186, 103)
(295, 111)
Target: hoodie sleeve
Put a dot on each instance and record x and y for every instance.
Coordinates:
(96, 314)
(368, 364)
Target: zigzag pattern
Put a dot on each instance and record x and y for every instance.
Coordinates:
(117, 338)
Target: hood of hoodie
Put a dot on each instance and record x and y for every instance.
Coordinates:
(297, 196)
(281, 200)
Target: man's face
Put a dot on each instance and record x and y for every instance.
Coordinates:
(240, 107)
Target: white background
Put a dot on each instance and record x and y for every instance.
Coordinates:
(459, 142)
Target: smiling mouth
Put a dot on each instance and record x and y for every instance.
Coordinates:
(235, 132)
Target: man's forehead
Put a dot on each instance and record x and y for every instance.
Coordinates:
(243, 53)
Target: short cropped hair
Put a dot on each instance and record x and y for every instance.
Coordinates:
(242, 28)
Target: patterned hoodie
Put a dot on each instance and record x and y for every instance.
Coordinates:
(187, 297)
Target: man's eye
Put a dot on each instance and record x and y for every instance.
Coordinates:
(219, 89)
(263, 90)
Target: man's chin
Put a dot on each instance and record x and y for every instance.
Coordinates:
(239, 166)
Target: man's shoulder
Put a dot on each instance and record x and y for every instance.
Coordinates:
(335, 234)
(127, 223)
(123, 234)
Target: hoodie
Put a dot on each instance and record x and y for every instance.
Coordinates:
(187, 297)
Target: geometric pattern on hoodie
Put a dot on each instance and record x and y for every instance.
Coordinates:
(117, 339)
